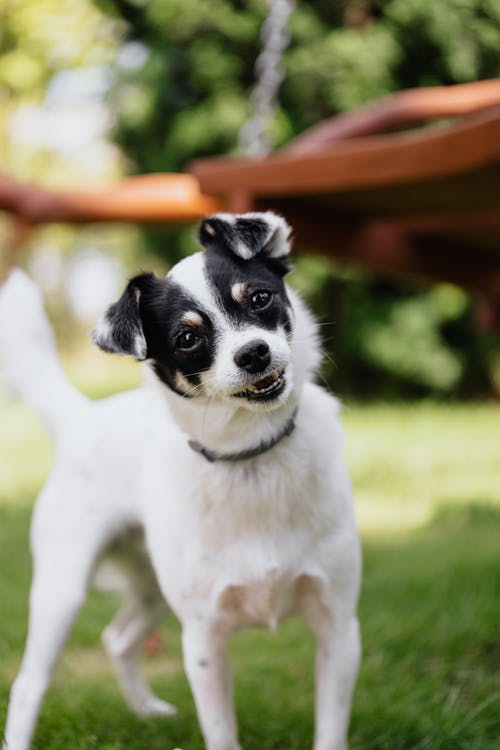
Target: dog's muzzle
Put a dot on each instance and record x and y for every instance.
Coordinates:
(266, 388)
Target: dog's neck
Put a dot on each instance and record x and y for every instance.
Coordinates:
(226, 429)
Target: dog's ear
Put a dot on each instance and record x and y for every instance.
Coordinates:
(120, 330)
(247, 235)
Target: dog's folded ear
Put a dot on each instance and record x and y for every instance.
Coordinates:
(247, 235)
(120, 330)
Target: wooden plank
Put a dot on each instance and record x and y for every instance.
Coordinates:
(407, 251)
(147, 198)
(400, 110)
(361, 163)
(471, 190)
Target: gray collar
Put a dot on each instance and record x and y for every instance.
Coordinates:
(263, 447)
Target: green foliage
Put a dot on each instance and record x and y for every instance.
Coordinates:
(382, 337)
(38, 38)
(340, 70)
(190, 95)
(455, 41)
(202, 53)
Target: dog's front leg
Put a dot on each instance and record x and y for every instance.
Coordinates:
(57, 592)
(209, 674)
(337, 663)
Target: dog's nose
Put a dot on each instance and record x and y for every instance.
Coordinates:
(253, 357)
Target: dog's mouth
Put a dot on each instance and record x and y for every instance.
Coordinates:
(265, 389)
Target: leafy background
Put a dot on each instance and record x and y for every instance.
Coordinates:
(176, 77)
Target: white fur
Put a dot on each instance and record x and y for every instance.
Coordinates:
(231, 545)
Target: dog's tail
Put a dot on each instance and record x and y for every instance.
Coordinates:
(28, 355)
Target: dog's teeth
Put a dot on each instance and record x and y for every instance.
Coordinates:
(262, 387)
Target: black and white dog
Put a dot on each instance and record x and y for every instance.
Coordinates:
(218, 489)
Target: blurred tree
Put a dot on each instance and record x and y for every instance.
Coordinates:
(190, 96)
(180, 80)
(55, 68)
(40, 42)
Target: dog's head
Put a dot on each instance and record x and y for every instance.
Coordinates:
(221, 324)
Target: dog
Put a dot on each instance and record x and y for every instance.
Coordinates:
(217, 491)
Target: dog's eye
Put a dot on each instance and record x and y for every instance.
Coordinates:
(260, 300)
(187, 341)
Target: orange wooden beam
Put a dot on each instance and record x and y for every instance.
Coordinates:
(360, 163)
(405, 108)
(148, 198)
(407, 249)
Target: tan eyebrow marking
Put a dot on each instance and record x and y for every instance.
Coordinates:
(238, 291)
(192, 318)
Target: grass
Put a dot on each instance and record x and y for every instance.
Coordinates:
(427, 481)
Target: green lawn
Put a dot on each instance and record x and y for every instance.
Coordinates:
(427, 481)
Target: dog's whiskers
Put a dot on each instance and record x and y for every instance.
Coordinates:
(200, 386)
(327, 356)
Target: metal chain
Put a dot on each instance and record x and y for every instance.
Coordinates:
(254, 137)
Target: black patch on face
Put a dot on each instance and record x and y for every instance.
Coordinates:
(123, 330)
(219, 233)
(253, 232)
(224, 269)
(162, 308)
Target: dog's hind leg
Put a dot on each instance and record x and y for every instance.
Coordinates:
(143, 608)
(123, 640)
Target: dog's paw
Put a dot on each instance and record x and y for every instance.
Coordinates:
(153, 706)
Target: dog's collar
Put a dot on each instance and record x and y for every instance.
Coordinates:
(263, 447)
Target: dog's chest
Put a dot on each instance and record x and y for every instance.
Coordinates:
(263, 601)
(251, 548)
